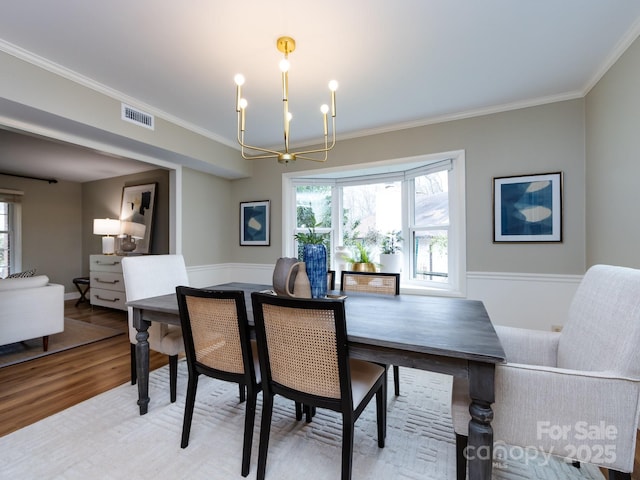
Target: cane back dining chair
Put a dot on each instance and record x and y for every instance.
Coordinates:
(150, 276)
(584, 380)
(331, 279)
(302, 344)
(374, 282)
(218, 344)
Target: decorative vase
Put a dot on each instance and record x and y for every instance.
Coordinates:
(315, 258)
(284, 276)
(391, 262)
(363, 267)
(301, 285)
(342, 253)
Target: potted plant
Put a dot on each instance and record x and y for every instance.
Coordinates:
(311, 237)
(314, 255)
(361, 260)
(391, 256)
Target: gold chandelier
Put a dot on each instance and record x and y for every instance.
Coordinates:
(286, 45)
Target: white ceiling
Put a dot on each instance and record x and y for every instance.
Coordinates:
(399, 63)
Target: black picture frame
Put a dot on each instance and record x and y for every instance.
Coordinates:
(255, 223)
(528, 208)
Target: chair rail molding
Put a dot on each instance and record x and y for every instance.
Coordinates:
(207, 275)
(526, 300)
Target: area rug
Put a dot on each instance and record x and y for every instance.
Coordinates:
(106, 438)
(76, 333)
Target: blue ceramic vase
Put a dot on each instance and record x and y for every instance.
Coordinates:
(315, 258)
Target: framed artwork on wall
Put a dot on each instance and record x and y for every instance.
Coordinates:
(255, 223)
(528, 208)
(136, 218)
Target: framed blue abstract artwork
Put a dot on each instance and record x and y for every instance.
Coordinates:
(254, 223)
(528, 208)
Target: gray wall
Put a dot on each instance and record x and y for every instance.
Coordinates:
(103, 198)
(541, 139)
(47, 102)
(613, 164)
(57, 221)
(594, 141)
(209, 218)
(51, 228)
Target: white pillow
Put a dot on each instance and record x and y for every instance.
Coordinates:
(26, 282)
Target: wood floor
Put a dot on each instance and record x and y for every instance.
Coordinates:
(33, 390)
(38, 388)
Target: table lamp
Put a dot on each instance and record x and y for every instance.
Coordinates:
(131, 231)
(107, 227)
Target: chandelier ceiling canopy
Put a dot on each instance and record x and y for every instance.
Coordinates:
(286, 45)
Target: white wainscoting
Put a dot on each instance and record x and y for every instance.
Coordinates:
(526, 300)
(207, 275)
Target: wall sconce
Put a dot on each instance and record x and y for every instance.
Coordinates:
(131, 232)
(107, 227)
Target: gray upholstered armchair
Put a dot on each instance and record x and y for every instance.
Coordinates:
(574, 394)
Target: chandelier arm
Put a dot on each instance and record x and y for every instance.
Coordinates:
(316, 150)
(319, 150)
(304, 157)
(257, 157)
(248, 156)
(272, 153)
(259, 149)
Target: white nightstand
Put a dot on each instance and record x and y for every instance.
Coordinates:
(107, 282)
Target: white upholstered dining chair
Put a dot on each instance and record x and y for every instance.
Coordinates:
(150, 276)
(576, 393)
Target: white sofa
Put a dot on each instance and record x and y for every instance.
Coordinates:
(29, 308)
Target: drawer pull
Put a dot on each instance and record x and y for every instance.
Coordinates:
(98, 297)
(98, 262)
(112, 282)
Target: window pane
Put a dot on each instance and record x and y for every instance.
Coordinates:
(430, 255)
(4, 217)
(313, 210)
(370, 212)
(4, 239)
(313, 206)
(432, 199)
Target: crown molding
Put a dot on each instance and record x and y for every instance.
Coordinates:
(52, 67)
(621, 47)
(533, 102)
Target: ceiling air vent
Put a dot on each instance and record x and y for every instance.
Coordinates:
(133, 115)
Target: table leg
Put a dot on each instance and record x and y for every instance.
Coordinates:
(482, 393)
(142, 359)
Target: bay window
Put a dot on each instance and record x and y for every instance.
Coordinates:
(420, 200)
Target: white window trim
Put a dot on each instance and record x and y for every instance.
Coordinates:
(457, 286)
(15, 224)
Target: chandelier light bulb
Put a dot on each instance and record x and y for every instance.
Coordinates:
(243, 103)
(239, 79)
(333, 85)
(284, 65)
(324, 109)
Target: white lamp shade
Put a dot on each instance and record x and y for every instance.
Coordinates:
(106, 226)
(136, 230)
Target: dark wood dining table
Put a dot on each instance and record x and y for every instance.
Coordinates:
(446, 335)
